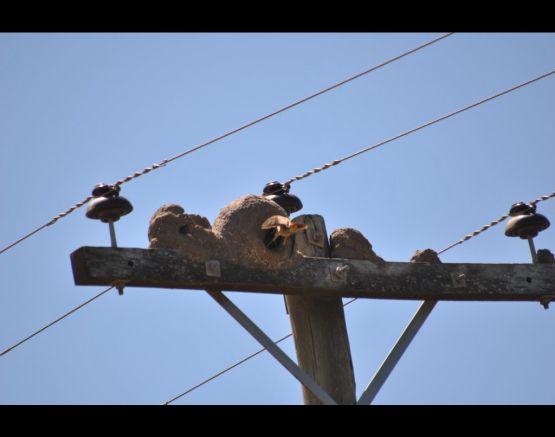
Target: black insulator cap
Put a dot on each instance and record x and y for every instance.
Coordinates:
(526, 226)
(279, 193)
(275, 187)
(107, 204)
(105, 190)
(521, 208)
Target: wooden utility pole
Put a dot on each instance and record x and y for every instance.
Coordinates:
(233, 254)
(319, 327)
(314, 288)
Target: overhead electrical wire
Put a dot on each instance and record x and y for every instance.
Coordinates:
(233, 366)
(227, 134)
(493, 223)
(294, 179)
(227, 369)
(410, 131)
(51, 222)
(59, 319)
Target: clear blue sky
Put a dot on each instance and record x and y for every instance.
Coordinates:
(78, 109)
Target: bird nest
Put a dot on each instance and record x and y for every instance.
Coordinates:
(236, 234)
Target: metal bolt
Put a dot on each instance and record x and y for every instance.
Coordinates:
(341, 271)
(545, 300)
(113, 241)
(458, 279)
(533, 250)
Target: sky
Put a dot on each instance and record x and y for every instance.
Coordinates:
(82, 108)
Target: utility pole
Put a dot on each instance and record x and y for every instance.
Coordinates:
(318, 322)
(319, 327)
(188, 253)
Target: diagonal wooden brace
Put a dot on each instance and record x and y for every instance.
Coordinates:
(271, 347)
(396, 352)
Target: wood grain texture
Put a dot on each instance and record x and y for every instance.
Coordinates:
(164, 268)
(319, 328)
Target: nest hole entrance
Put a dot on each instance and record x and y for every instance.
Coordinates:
(272, 245)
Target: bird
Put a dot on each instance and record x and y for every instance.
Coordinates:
(283, 227)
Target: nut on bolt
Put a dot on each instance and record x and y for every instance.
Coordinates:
(546, 300)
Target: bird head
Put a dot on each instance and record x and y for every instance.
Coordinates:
(297, 227)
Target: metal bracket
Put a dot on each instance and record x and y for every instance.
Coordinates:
(397, 352)
(315, 236)
(213, 269)
(303, 377)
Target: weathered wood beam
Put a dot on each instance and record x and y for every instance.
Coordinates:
(320, 329)
(163, 268)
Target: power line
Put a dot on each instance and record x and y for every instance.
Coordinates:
(279, 111)
(164, 162)
(233, 366)
(493, 223)
(16, 242)
(227, 369)
(227, 134)
(542, 198)
(476, 232)
(51, 222)
(56, 321)
(422, 126)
